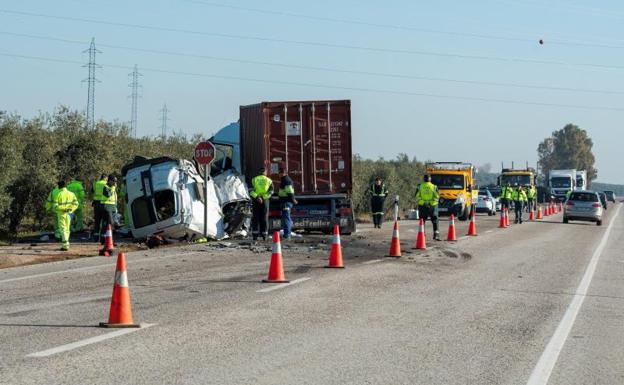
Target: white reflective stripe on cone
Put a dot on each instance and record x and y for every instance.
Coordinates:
(395, 233)
(277, 248)
(121, 279)
(336, 240)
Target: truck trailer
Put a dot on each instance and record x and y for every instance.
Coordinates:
(311, 140)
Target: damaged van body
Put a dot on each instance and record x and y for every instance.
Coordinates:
(165, 197)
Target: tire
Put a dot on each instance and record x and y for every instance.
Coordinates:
(599, 223)
(565, 220)
(490, 213)
(465, 214)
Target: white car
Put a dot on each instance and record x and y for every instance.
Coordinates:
(486, 203)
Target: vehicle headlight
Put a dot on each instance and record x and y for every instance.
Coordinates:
(460, 200)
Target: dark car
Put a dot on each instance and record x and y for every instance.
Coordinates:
(610, 195)
(603, 199)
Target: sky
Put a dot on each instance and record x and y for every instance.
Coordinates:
(446, 80)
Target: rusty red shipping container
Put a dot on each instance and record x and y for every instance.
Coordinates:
(311, 139)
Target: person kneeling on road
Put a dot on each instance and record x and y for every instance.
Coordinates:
(287, 200)
(520, 198)
(427, 196)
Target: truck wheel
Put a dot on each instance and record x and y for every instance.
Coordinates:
(465, 214)
(565, 220)
(599, 223)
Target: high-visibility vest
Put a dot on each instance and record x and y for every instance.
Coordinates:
(52, 198)
(65, 201)
(519, 195)
(98, 190)
(532, 193)
(379, 191)
(112, 199)
(76, 187)
(427, 194)
(262, 187)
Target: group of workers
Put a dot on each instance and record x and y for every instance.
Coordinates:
(66, 204)
(522, 199)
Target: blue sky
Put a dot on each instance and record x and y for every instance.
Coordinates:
(583, 50)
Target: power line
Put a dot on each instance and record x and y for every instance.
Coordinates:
(91, 80)
(134, 85)
(328, 69)
(329, 86)
(461, 34)
(302, 42)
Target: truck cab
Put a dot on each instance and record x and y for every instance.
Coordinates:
(561, 182)
(455, 182)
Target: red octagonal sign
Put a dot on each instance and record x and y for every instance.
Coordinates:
(204, 153)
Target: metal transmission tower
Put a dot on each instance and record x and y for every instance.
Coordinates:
(91, 80)
(134, 85)
(163, 120)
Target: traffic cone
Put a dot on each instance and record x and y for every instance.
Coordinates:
(560, 206)
(421, 239)
(472, 228)
(502, 223)
(531, 215)
(506, 217)
(452, 236)
(276, 268)
(540, 214)
(120, 315)
(547, 210)
(108, 248)
(335, 256)
(395, 244)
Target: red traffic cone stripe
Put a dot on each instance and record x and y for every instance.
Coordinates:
(120, 315)
(108, 248)
(395, 244)
(452, 236)
(276, 268)
(472, 228)
(335, 255)
(501, 223)
(421, 239)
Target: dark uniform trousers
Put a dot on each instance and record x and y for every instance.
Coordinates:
(377, 207)
(518, 205)
(260, 219)
(425, 212)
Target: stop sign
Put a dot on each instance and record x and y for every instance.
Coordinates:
(204, 153)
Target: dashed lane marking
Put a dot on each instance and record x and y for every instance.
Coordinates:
(373, 261)
(283, 285)
(544, 367)
(88, 341)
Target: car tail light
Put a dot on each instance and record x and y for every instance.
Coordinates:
(275, 213)
(345, 211)
(597, 205)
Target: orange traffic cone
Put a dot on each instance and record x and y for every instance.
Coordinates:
(560, 206)
(120, 309)
(472, 228)
(395, 244)
(276, 268)
(108, 248)
(531, 215)
(547, 210)
(452, 236)
(501, 223)
(335, 256)
(421, 239)
(506, 217)
(540, 214)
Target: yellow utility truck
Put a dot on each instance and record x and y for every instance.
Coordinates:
(516, 177)
(456, 184)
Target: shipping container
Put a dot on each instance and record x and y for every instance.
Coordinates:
(312, 141)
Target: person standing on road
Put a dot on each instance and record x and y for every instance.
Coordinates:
(287, 200)
(505, 196)
(428, 197)
(98, 197)
(378, 192)
(64, 205)
(519, 198)
(262, 189)
(75, 186)
(50, 209)
(108, 206)
(531, 195)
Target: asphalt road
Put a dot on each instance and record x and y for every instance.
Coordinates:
(535, 303)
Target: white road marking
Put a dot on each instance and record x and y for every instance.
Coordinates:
(283, 285)
(464, 237)
(373, 261)
(87, 268)
(88, 341)
(55, 303)
(544, 367)
(488, 231)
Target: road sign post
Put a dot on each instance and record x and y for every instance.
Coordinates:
(204, 155)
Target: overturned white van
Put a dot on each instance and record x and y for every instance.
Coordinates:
(165, 197)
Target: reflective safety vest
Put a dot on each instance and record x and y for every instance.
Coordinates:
(52, 198)
(427, 194)
(379, 191)
(519, 195)
(98, 190)
(65, 201)
(532, 193)
(262, 187)
(506, 192)
(76, 187)
(111, 199)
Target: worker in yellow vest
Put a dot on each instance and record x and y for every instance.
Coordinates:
(262, 190)
(64, 205)
(50, 210)
(76, 187)
(108, 205)
(428, 198)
